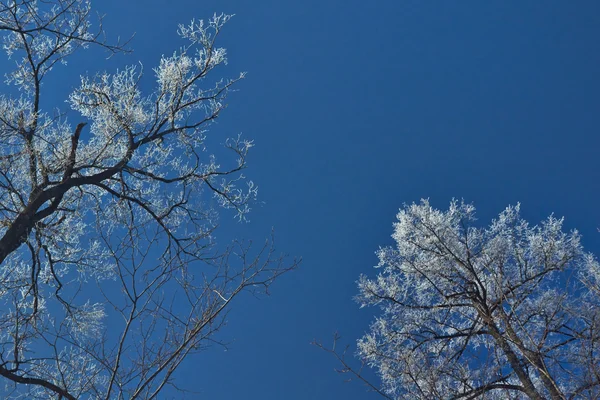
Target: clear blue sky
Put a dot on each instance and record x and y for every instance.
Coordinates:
(357, 107)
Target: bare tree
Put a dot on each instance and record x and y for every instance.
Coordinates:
(506, 312)
(109, 274)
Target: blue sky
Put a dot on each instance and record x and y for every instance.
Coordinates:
(358, 107)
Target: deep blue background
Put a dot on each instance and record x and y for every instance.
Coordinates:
(357, 107)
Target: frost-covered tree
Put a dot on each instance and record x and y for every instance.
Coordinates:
(504, 312)
(109, 276)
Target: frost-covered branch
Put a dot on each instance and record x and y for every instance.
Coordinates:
(108, 211)
(507, 311)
